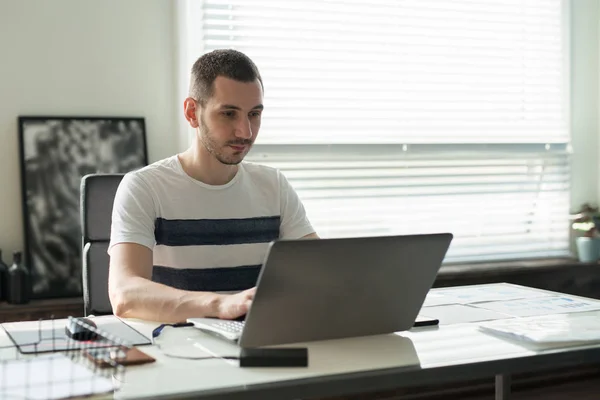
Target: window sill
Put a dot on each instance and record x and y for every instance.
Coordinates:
(547, 273)
(491, 268)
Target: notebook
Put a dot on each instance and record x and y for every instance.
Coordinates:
(574, 328)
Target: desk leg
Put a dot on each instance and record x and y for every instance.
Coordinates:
(503, 387)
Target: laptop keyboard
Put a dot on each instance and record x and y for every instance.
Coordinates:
(229, 326)
(230, 330)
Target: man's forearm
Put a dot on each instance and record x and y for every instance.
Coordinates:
(144, 299)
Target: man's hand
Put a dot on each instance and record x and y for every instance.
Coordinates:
(235, 305)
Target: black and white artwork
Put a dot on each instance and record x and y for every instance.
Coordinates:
(56, 152)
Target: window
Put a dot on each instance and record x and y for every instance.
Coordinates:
(414, 116)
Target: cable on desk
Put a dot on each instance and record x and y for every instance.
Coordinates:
(158, 330)
(198, 358)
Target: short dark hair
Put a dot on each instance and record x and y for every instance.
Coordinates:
(229, 63)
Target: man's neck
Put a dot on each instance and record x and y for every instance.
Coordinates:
(199, 164)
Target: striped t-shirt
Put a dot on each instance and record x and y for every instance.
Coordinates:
(205, 237)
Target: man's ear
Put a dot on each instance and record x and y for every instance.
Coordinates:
(190, 111)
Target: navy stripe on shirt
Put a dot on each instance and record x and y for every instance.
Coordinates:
(203, 232)
(208, 279)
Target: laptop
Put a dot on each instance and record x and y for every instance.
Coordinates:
(320, 289)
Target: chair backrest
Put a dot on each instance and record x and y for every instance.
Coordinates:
(97, 197)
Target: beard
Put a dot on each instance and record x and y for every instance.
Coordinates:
(222, 151)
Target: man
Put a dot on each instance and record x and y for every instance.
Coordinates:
(189, 232)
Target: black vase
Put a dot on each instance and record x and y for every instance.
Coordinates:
(19, 282)
(3, 279)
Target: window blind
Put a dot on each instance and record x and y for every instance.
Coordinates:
(413, 116)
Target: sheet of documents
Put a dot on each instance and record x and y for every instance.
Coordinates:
(541, 306)
(480, 293)
(436, 299)
(459, 313)
(548, 329)
(50, 376)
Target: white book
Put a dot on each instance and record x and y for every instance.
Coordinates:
(558, 328)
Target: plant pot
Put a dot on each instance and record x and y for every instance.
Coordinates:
(588, 249)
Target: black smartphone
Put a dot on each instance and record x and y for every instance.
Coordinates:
(425, 321)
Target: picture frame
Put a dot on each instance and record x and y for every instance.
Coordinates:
(55, 153)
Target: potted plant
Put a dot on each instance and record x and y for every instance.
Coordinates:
(586, 224)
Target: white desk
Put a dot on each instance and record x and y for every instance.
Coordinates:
(450, 352)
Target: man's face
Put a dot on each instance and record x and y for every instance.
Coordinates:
(230, 120)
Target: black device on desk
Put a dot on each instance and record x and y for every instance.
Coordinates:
(274, 357)
(425, 321)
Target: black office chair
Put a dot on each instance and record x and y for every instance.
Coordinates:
(97, 196)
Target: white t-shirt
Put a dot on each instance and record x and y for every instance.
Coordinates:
(204, 237)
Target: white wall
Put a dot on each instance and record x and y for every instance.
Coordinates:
(584, 102)
(82, 57)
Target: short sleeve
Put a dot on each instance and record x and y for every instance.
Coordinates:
(294, 222)
(133, 213)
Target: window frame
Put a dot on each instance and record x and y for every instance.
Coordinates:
(581, 42)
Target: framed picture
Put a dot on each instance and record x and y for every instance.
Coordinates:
(55, 153)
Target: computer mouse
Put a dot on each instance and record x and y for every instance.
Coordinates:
(78, 331)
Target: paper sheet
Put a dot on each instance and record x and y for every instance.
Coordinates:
(437, 299)
(541, 306)
(476, 294)
(51, 376)
(459, 313)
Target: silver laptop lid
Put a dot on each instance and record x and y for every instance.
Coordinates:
(333, 288)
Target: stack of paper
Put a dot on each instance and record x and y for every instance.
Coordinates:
(559, 328)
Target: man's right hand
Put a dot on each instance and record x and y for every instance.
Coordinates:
(236, 305)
